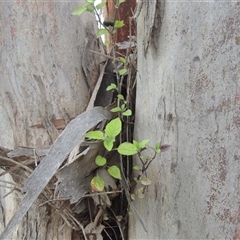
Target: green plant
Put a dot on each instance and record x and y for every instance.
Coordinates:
(118, 128)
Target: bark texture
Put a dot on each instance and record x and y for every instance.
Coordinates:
(188, 95)
(47, 75)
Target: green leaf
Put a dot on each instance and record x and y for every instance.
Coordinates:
(143, 143)
(90, 1)
(106, 43)
(135, 143)
(145, 181)
(121, 1)
(111, 87)
(89, 7)
(127, 149)
(118, 24)
(113, 128)
(101, 31)
(127, 113)
(122, 71)
(97, 184)
(136, 168)
(100, 161)
(157, 147)
(108, 143)
(123, 60)
(98, 135)
(116, 109)
(114, 171)
(120, 96)
(78, 11)
(123, 106)
(100, 5)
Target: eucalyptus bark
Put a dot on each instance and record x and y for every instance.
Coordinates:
(188, 95)
(47, 75)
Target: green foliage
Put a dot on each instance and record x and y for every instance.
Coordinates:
(114, 171)
(122, 71)
(100, 161)
(127, 149)
(118, 24)
(101, 5)
(97, 135)
(114, 127)
(101, 32)
(97, 184)
(112, 87)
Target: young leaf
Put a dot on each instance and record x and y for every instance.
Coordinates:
(157, 147)
(97, 184)
(111, 87)
(114, 171)
(118, 24)
(127, 113)
(78, 11)
(90, 1)
(135, 143)
(136, 168)
(122, 71)
(100, 161)
(123, 60)
(106, 43)
(143, 143)
(108, 143)
(98, 135)
(113, 128)
(101, 32)
(123, 106)
(116, 109)
(120, 96)
(100, 5)
(145, 181)
(121, 1)
(127, 149)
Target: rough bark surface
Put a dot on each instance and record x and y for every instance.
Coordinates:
(188, 95)
(47, 74)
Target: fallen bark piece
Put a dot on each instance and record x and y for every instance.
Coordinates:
(63, 145)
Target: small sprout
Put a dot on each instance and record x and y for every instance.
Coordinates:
(130, 213)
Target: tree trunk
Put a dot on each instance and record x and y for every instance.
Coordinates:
(47, 75)
(188, 95)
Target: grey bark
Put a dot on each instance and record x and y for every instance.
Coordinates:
(47, 74)
(188, 95)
